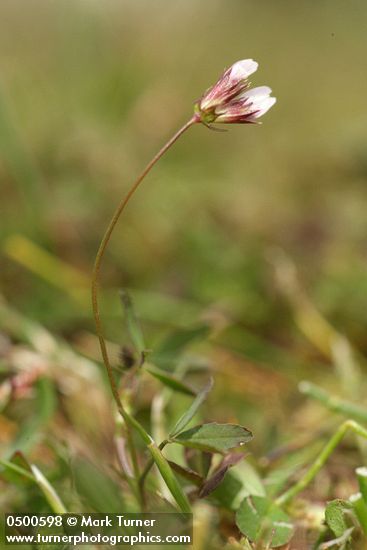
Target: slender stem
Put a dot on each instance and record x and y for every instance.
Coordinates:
(150, 464)
(99, 257)
(286, 497)
(131, 422)
(334, 403)
(162, 401)
(170, 478)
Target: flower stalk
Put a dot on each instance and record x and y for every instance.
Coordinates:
(228, 101)
(130, 421)
(96, 275)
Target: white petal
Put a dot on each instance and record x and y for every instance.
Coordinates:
(261, 106)
(242, 69)
(256, 93)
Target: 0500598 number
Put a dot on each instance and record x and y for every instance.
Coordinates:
(33, 521)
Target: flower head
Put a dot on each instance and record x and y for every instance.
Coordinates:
(231, 100)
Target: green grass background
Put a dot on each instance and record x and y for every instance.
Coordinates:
(89, 91)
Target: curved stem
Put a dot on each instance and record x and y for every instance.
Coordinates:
(131, 422)
(99, 257)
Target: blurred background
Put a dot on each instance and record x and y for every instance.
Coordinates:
(259, 232)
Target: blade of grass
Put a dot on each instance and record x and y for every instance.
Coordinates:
(348, 425)
(49, 492)
(190, 413)
(334, 403)
(37, 477)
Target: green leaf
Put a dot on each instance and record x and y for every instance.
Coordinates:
(190, 413)
(219, 473)
(335, 516)
(237, 485)
(170, 380)
(132, 322)
(187, 474)
(257, 517)
(213, 437)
